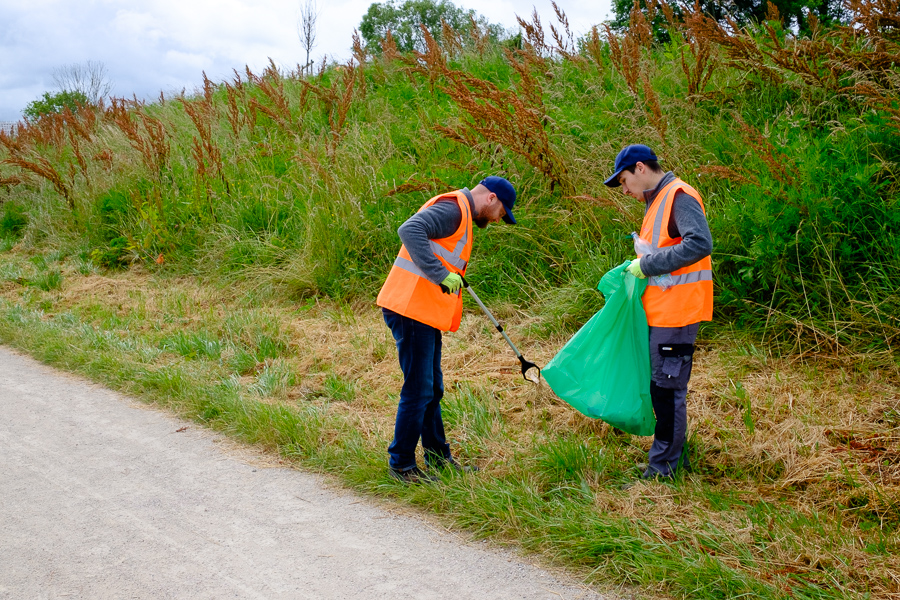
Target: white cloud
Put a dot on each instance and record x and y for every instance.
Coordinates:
(196, 62)
(137, 27)
(150, 46)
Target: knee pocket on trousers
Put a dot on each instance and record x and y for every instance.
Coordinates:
(671, 366)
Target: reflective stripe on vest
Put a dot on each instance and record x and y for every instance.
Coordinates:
(409, 292)
(692, 277)
(454, 258)
(689, 298)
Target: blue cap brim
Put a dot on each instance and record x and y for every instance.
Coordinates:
(508, 217)
(613, 181)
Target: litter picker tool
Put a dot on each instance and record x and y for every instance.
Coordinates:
(534, 377)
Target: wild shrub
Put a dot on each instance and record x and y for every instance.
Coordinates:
(298, 184)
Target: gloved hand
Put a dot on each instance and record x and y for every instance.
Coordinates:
(635, 269)
(452, 282)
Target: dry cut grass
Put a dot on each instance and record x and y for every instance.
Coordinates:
(817, 438)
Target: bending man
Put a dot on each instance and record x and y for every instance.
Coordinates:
(423, 297)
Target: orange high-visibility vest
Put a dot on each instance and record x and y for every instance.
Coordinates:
(408, 292)
(690, 298)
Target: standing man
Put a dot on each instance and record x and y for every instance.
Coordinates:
(675, 226)
(423, 297)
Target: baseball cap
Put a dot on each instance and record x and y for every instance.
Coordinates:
(505, 192)
(628, 156)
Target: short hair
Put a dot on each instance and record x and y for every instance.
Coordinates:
(653, 165)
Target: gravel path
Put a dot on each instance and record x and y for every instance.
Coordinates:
(101, 497)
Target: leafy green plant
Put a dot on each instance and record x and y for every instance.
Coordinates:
(115, 255)
(54, 103)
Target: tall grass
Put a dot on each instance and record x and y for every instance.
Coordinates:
(282, 194)
(297, 184)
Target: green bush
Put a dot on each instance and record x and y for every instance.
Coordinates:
(54, 103)
(112, 256)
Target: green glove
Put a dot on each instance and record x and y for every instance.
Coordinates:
(635, 269)
(452, 282)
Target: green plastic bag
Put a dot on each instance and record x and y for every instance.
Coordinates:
(604, 370)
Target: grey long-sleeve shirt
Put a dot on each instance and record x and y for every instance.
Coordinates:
(686, 221)
(439, 220)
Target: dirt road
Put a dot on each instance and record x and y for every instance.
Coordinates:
(101, 497)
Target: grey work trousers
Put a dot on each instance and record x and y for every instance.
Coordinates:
(671, 360)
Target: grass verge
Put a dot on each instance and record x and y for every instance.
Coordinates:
(796, 488)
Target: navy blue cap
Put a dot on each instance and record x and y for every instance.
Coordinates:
(629, 156)
(505, 192)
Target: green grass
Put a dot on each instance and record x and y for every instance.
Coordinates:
(271, 258)
(193, 345)
(546, 486)
(339, 389)
(274, 379)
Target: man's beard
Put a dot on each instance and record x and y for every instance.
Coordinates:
(481, 222)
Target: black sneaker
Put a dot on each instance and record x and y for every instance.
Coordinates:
(656, 475)
(412, 475)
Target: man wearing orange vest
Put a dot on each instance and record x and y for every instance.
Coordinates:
(675, 225)
(423, 297)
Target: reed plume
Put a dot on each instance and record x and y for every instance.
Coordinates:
(515, 118)
(336, 100)
(627, 51)
(152, 143)
(205, 150)
(278, 108)
(699, 70)
(41, 167)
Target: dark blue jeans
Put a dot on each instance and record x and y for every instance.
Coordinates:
(419, 410)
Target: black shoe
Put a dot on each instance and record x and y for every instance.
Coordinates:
(656, 475)
(412, 475)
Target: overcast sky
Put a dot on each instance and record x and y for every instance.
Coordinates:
(153, 46)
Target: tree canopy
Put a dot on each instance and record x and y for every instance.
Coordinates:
(793, 13)
(403, 20)
(53, 103)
